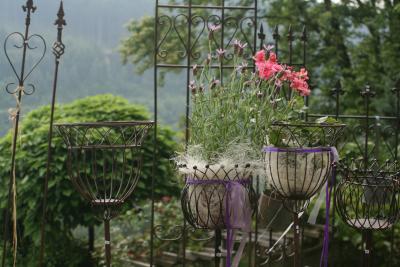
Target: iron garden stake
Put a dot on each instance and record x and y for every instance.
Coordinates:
(21, 90)
(58, 51)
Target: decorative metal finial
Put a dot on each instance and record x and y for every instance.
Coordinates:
(58, 46)
(276, 35)
(29, 6)
(304, 36)
(60, 22)
(396, 88)
(261, 35)
(290, 35)
(367, 92)
(337, 90)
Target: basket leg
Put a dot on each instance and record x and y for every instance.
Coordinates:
(107, 242)
(296, 230)
(367, 251)
(218, 241)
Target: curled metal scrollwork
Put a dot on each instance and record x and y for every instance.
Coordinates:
(199, 235)
(168, 233)
(250, 23)
(163, 20)
(22, 77)
(177, 22)
(197, 21)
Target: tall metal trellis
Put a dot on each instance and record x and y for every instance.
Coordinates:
(189, 23)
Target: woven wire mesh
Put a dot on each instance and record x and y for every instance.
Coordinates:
(104, 159)
(208, 201)
(306, 134)
(368, 198)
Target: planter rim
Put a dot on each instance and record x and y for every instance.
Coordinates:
(359, 181)
(104, 124)
(297, 149)
(309, 124)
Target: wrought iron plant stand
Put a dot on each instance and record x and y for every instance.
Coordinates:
(220, 198)
(299, 168)
(367, 199)
(104, 163)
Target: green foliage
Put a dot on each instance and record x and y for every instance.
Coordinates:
(356, 42)
(66, 209)
(131, 234)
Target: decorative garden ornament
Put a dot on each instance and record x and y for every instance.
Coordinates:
(25, 42)
(300, 166)
(368, 200)
(104, 163)
(217, 198)
(301, 161)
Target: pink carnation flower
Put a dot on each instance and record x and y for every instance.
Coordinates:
(260, 56)
(267, 68)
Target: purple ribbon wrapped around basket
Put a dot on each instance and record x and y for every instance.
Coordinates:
(327, 156)
(237, 212)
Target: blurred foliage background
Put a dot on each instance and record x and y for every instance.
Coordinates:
(352, 41)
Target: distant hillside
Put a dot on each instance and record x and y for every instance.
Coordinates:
(91, 64)
(99, 20)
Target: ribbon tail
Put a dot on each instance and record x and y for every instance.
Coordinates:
(240, 250)
(325, 247)
(317, 206)
(229, 234)
(229, 246)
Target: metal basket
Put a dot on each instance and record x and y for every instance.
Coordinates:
(299, 168)
(104, 163)
(368, 199)
(218, 198)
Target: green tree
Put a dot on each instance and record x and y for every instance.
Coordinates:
(66, 210)
(355, 41)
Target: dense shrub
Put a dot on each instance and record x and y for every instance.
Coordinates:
(66, 210)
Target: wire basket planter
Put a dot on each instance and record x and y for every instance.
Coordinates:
(208, 193)
(104, 163)
(218, 198)
(300, 165)
(368, 200)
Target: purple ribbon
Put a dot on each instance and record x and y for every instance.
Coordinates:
(335, 158)
(299, 150)
(235, 195)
